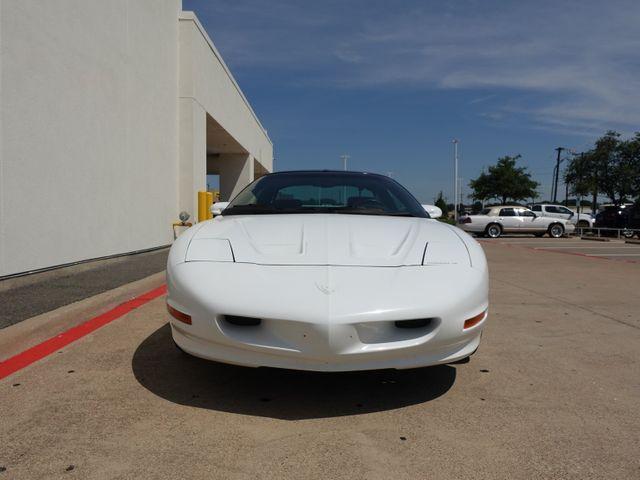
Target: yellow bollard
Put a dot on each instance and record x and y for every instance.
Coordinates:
(202, 206)
(209, 204)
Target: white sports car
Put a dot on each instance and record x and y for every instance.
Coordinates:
(327, 271)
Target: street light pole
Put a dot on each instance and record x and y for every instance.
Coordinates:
(557, 174)
(455, 179)
(344, 158)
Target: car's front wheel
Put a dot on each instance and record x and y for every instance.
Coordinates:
(628, 233)
(556, 230)
(493, 230)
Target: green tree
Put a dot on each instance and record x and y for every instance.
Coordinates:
(504, 181)
(441, 203)
(476, 208)
(581, 176)
(629, 168)
(611, 167)
(607, 158)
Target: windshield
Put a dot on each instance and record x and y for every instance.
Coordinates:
(325, 192)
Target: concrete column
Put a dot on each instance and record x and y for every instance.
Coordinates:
(192, 164)
(236, 172)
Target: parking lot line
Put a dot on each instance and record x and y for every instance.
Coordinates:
(610, 247)
(613, 254)
(46, 348)
(543, 242)
(555, 249)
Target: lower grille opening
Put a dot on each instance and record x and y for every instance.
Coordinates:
(242, 321)
(415, 323)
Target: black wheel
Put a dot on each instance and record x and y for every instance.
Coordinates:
(493, 230)
(627, 233)
(583, 224)
(556, 230)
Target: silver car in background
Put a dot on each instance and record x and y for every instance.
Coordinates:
(583, 220)
(494, 221)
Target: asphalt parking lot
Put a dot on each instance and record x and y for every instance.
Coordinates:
(553, 392)
(611, 249)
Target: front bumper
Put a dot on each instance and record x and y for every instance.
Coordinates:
(327, 318)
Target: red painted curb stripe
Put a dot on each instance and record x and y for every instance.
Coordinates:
(38, 352)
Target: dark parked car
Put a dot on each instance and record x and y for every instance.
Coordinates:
(626, 217)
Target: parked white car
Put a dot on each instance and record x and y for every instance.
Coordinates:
(582, 220)
(327, 271)
(495, 221)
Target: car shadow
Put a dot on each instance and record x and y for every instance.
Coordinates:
(283, 394)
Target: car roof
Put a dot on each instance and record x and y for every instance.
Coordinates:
(330, 172)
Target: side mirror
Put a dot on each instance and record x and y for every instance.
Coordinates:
(433, 211)
(218, 207)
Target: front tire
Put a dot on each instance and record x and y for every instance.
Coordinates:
(628, 233)
(493, 230)
(556, 230)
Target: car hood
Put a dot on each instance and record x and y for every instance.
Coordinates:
(334, 239)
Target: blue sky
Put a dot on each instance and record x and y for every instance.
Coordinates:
(391, 83)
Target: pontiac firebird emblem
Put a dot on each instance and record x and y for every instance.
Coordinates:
(325, 289)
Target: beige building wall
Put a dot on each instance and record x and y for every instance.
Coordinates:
(108, 110)
(234, 133)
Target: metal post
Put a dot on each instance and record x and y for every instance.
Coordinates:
(344, 158)
(209, 205)
(202, 206)
(557, 174)
(455, 180)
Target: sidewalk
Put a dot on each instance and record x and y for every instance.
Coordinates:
(26, 297)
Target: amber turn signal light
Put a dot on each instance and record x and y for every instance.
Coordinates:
(178, 315)
(473, 321)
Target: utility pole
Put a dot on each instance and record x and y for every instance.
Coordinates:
(455, 179)
(344, 158)
(557, 174)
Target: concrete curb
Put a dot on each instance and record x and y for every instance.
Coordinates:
(635, 242)
(596, 239)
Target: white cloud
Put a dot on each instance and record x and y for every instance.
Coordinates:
(571, 64)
